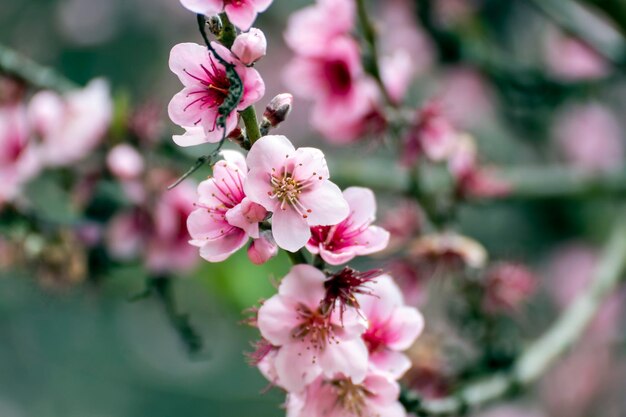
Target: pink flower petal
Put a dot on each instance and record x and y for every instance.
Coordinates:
(276, 320)
(241, 14)
(304, 284)
(349, 358)
(207, 7)
(296, 367)
(290, 230)
(394, 363)
(185, 58)
(269, 152)
(220, 249)
(327, 205)
(405, 325)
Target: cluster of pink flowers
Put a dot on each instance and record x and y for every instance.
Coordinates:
(434, 138)
(292, 188)
(51, 130)
(335, 343)
(333, 340)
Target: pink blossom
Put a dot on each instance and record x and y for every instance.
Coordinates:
(508, 285)
(392, 326)
(71, 126)
(293, 184)
(510, 411)
(341, 396)
(355, 235)
(18, 158)
(125, 162)
(397, 73)
(344, 97)
(126, 233)
(168, 248)
(590, 137)
(241, 12)
(572, 60)
(262, 249)
(312, 29)
(432, 135)
(465, 98)
(205, 89)
(250, 46)
(310, 341)
(224, 218)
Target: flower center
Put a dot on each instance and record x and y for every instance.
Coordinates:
(350, 396)
(338, 75)
(314, 328)
(287, 190)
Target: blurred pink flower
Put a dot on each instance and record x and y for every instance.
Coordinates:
(508, 285)
(294, 185)
(310, 341)
(572, 60)
(311, 30)
(224, 217)
(392, 326)
(465, 97)
(341, 396)
(355, 235)
(590, 138)
(71, 126)
(432, 135)
(242, 13)
(250, 46)
(168, 248)
(509, 411)
(18, 157)
(125, 162)
(206, 86)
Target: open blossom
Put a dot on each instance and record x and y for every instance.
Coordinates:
(392, 326)
(312, 29)
(18, 160)
(71, 126)
(355, 235)
(432, 135)
(206, 86)
(341, 396)
(293, 184)
(158, 234)
(225, 218)
(241, 12)
(311, 342)
(250, 46)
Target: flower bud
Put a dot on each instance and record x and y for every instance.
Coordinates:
(262, 249)
(276, 112)
(250, 46)
(125, 162)
(215, 25)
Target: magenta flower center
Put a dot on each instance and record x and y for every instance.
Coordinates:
(213, 88)
(314, 328)
(339, 236)
(338, 75)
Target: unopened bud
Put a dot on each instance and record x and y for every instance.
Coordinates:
(125, 162)
(262, 249)
(237, 136)
(250, 46)
(276, 112)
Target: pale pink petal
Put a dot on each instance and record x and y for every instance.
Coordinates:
(207, 7)
(276, 319)
(261, 5)
(183, 113)
(241, 14)
(219, 249)
(262, 249)
(290, 230)
(203, 226)
(194, 135)
(384, 388)
(258, 189)
(394, 363)
(337, 257)
(304, 284)
(235, 158)
(349, 358)
(310, 164)
(269, 152)
(250, 46)
(186, 58)
(372, 240)
(247, 215)
(253, 85)
(362, 204)
(327, 205)
(405, 325)
(296, 366)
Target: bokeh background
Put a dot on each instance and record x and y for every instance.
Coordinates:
(89, 351)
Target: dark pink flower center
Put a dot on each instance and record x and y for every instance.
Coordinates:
(212, 88)
(338, 75)
(339, 236)
(376, 337)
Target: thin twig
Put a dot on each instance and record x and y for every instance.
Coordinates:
(539, 356)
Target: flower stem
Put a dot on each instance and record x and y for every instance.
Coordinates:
(35, 75)
(297, 257)
(252, 124)
(540, 355)
(229, 32)
(369, 35)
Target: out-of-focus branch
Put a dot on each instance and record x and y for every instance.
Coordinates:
(526, 183)
(614, 10)
(34, 74)
(369, 35)
(574, 19)
(539, 356)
